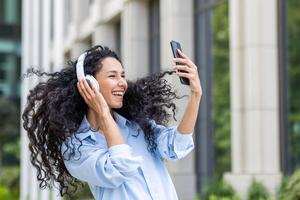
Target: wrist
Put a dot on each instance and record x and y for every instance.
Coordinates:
(104, 121)
(196, 95)
(103, 116)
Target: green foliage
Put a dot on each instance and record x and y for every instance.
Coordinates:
(294, 78)
(197, 197)
(10, 177)
(282, 187)
(83, 193)
(214, 197)
(221, 87)
(9, 149)
(290, 189)
(9, 183)
(220, 190)
(9, 132)
(9, 114)
(6, 194)
(257, 191)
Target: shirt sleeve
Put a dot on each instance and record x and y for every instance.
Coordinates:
(171, 144)
(102, 167)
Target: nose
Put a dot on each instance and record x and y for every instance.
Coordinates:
(122, 82)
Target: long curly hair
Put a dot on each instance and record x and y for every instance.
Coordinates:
(55, 109)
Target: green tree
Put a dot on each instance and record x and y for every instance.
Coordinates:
(294, 79)
(9, 148)
(290, 187)
(9, 131)
(221, 88)
(257, 191)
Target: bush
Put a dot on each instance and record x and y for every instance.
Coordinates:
(282, 187)
(6, 194)
(290, 189)
(10, 178)
(257, 191)
(220, 191)
(83, 192)
(9, 183)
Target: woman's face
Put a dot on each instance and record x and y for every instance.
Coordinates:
(112, 82)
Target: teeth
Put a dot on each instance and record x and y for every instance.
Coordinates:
(118, 93)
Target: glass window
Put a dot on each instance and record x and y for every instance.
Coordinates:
(2, 11)
(2, 74)
(2, 67)
(10, 11)
(212, 57)
(10, 14)
(293, 23)
(289, 80)
(220, 87)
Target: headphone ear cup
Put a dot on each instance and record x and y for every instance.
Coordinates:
(91, 80)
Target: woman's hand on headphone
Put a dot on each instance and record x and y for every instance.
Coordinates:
(93, 98)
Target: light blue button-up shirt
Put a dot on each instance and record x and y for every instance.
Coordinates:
(126, 171)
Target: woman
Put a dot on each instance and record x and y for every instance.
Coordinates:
(113, 139)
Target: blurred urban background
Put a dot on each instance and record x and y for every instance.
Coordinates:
(248, 130)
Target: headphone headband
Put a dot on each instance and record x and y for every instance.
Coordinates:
(79, 66)
(80, 72)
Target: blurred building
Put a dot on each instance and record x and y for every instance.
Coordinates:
(140, 31)
(10, 47)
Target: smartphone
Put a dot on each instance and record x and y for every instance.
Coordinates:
(174, 46)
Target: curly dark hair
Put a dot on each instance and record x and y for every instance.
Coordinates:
(55, 109)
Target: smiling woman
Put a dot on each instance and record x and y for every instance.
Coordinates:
(111, 77)
(114, 138)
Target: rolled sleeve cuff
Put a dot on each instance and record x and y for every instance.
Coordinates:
(120, 149)
(184, 135)
(183, 144)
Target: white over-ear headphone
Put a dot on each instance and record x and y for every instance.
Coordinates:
(80, 72)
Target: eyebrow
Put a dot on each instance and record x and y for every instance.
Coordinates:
(115, 72)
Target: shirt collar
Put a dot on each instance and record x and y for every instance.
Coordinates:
(122, 121)
(84, 128)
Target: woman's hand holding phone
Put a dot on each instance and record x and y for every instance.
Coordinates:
(188, 66)
(93, 98)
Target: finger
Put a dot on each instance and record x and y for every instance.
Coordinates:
(96, 91)
(185, 68)
(185, 75)
(80, 88)
(182, 54)
(84, 90)
(186, 61)
(80, 91)
(102, 101)
(182, 61)
(88, 88)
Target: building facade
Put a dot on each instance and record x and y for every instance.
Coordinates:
(140, 31)
(10, 48)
